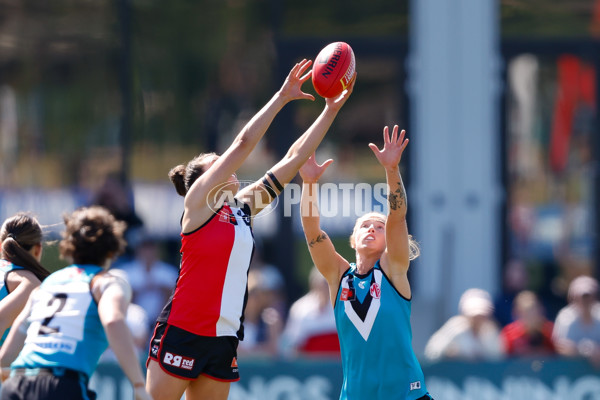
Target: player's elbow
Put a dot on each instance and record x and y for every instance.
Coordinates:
(113, 323)
(243, 142)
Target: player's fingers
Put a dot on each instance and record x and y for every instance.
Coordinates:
(374, 148)
(402, 136)
(307, 96)
(326, 164)
(394, 138)
(386, 135)
(306, 76)
(303, 65)
(404, 144)
(294, 70)
(352, 82)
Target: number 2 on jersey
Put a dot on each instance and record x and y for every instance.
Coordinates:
(55, 305)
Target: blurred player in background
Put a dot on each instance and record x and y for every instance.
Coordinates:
(20, 268)
(194, 347)
(371, 298)
(72, 317)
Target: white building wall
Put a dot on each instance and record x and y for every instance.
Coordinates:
(454, 81)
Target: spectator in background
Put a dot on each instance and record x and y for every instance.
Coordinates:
(263, 320)
(117, 197)
(577, 326)
(151, 279)
(472, 336)
(531, 333)
(516, 279)
(310, 327)
(271, 275)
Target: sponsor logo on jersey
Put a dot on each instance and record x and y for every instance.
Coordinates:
(415, 385)
(375, 291)
(223, 216)
(229, 217)
(347, 294)
(178, 361)
(225, 193)
(362, 284)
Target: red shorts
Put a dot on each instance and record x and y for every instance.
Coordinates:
(186, 355)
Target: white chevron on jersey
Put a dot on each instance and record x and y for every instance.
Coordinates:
(363, 327)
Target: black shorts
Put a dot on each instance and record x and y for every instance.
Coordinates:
(186, 355)
(46, 384)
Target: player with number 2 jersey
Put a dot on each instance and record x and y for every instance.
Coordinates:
(55, 343)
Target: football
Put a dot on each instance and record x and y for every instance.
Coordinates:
(333, 69)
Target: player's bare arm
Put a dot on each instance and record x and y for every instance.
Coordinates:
(196, 206)
(396, 257)
(327, 260)
(16, 339)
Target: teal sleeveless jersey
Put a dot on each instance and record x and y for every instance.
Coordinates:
(5, 268)
(373, 324)
(65, 328)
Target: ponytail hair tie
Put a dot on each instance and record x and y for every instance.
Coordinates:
(12, 236)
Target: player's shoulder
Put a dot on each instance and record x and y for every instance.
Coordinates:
(112, 279)
(18, 276)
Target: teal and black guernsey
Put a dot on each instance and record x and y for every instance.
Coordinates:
(5, 268)
(65, 329)
(373, 324)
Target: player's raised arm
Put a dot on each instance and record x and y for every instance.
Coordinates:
(396, 257)
(331, 264)
(225, 166)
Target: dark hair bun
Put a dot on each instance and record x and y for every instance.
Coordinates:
(177, 176)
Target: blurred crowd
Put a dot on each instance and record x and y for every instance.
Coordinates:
(475, 334)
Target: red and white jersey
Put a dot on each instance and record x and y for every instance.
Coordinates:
(211, 291)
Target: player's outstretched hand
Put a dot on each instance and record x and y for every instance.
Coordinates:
(393, 147)
(292, 86)
(311, 171)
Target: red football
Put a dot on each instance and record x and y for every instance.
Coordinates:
(333, 69)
